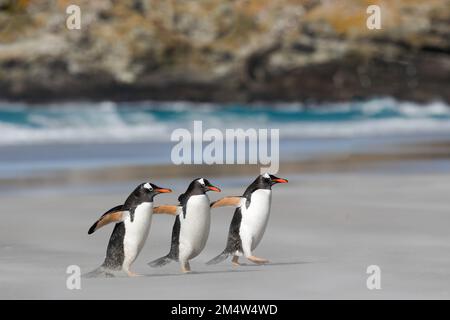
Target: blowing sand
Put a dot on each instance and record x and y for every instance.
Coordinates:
(324, 231)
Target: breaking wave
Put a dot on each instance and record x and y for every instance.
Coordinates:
(154, 121)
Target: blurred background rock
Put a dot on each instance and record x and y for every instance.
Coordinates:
(213, 50)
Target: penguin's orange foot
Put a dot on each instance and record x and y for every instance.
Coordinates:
(132, 274)
(257, 260)
(235, 261)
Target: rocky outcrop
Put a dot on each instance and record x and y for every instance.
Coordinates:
(224, 50)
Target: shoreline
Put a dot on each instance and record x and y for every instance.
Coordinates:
(337, 163)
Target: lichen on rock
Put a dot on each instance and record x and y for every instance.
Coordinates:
(240, 50)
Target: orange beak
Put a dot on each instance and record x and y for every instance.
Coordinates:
(280, 180)
(212, 188)
(164, 190)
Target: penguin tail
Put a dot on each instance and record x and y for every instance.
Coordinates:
(161, 261)
(221, 257)
(100, 272)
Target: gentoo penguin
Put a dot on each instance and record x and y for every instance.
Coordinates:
(250, 219)
(133, 220)
(191, 228)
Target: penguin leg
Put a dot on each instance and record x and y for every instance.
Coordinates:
(246, 240)
(257, 260)
(185, 267)
(126, 266)
(235, 261)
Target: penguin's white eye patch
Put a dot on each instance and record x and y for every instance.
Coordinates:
(148, 186)
(266, 175)
(202, 182)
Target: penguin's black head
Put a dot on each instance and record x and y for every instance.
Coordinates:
(268, 180)
(147, 190)
(203, 185)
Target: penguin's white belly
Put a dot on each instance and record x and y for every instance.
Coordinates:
(136, 232)
(194, 229)
(255, 217)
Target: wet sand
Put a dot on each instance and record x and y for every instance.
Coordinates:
(343, 162)
(325, 229)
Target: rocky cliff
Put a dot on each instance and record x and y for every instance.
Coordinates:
(219, 50)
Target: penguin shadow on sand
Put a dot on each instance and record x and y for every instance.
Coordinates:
(247, 267)
(99, 273)
(193, 273)
(158, 275)
(281, 263)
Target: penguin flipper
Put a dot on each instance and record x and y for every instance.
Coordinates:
(227, 202)
(221, 257)
(116, 214)
(167, 209)
(161, 261)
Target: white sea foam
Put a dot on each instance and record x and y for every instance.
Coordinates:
(367, 128)
(151, 121)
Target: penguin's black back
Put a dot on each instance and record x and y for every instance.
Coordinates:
(136, 198)
(183, 199)
(115, 254)
(174, 246)
(234, 242)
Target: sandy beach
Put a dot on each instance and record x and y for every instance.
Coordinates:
(325, 230)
